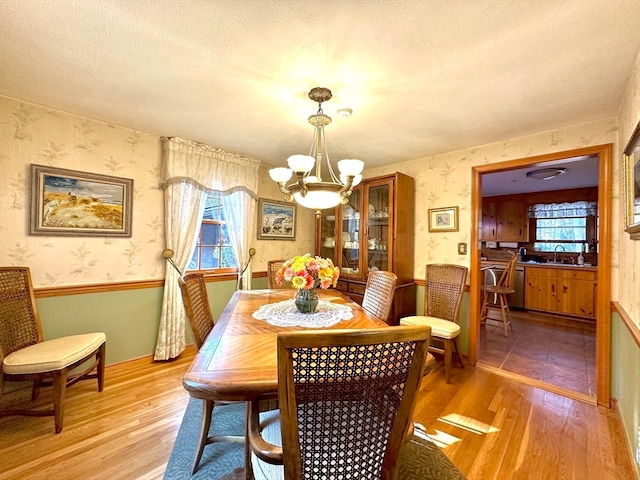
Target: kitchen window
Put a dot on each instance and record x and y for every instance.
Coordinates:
(213, 251)
(563, 224)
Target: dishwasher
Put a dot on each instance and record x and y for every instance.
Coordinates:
(492, 275)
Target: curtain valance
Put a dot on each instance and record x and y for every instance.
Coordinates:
(210, 169)
(563, 210)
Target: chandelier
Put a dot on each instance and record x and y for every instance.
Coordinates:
(309, 188)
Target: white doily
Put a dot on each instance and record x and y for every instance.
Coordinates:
(285, 314)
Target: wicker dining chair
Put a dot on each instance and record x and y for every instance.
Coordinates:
(26, 356)
(346, 402)
(272, 268)
(378, 294)
(196, 305)
(444, 287)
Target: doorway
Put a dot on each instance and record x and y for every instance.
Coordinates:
(602, 332)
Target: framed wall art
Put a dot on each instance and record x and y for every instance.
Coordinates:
(67, 202)
(631, 156)
(443, 219)
(276, 220)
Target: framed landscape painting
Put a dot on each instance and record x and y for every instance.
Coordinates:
(67, 202)
(632, 184)
(276, 220)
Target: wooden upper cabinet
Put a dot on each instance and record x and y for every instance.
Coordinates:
(489, 227)
(504, 220)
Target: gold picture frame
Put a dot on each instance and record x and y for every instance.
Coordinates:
(276, 220)
(443, 219)
(72, 203)
(631, 155)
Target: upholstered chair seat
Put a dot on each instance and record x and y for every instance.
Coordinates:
(53, 354)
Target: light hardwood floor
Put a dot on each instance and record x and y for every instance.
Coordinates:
(491, 427)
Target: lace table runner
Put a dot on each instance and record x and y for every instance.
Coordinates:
(285, 314)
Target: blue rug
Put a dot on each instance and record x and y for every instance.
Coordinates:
(218, 459)
(420, 458)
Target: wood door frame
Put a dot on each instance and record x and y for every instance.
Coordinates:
(603, 288)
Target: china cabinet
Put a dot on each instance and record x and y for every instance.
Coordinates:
(373, 231)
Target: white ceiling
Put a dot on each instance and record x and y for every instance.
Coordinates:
(422, 77)
(580, 172)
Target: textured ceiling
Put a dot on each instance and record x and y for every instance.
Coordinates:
(422, 77)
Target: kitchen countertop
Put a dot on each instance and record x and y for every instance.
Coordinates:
(488, 263)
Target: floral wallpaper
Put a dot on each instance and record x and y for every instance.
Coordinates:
(445, 181)
(31, 134)
(628, 278)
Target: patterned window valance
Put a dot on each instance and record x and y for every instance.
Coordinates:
(563, 210)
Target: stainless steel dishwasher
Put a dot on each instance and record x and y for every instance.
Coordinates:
(492, 275)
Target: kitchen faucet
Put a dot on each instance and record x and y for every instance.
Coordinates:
(555, 252)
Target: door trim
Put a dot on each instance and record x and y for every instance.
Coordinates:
(603, 288)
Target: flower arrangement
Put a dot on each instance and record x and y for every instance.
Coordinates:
(306, 272)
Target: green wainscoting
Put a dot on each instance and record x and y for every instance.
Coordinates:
(625, 382)
(129, 318)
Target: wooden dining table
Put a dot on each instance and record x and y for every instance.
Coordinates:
(238, 359)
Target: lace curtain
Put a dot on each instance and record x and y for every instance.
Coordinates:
(190, 171)
(563, 210)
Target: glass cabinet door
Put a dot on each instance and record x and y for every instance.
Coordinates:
(378, 232)
(350, 234)
(328, 232)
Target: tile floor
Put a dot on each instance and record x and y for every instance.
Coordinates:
(555, 350)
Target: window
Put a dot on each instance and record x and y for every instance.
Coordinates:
(213, 248)
(570, 233)
(564, 225)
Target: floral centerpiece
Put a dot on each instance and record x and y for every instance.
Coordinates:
(306, 273)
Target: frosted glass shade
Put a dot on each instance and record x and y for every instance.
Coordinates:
(301, 163)
(350, 166)
(318, 199)
(280, 174)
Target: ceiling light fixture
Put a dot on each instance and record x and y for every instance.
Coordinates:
(309, 189)
(546, 173)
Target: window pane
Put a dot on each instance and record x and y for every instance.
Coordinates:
(228, 260)
(213, 207)
(210, 234)
(193, 264)
(209, 258)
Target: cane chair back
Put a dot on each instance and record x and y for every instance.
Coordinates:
(378, 294)
(196, 305)
(26, 356)
(444, 290)
(360, 403)
(272, 268)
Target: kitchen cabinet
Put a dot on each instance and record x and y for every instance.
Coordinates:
(504, 220)
(373, 231)
(568, 290)
(488, 232)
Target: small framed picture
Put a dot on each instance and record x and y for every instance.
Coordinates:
(443, 219)
(68, 202)
(276, 220)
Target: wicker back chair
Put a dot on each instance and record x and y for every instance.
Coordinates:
(378, 294)
(25, 356)
(272, 268)
(502, 289)
(196, 305)
(444, 287)
(360, 404)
